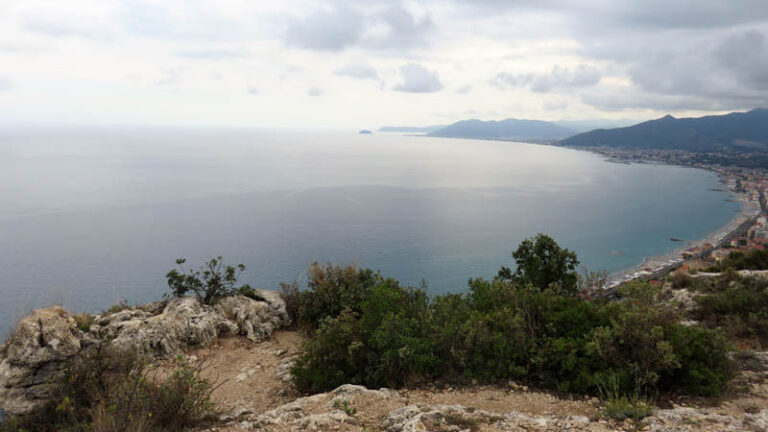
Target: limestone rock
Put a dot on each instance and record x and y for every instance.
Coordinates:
(256, 320)
(417, 418)
(36, 353)
(684, 419)
(319, 412)
(45, 341)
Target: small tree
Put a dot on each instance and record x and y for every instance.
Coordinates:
(542, 263)
(214, 280)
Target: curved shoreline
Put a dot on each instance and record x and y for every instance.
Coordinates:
(659, 265)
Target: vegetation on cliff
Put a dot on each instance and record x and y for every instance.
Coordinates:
(367, 329)
(106, 390)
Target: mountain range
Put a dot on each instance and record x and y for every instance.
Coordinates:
(509, 129)
(744, 132)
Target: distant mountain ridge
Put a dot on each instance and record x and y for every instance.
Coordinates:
(737, 131)
(509, 129)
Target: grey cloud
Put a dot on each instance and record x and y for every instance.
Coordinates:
(418, 79)
(731, 73)
(689, 13)
(5, 84)
(600, 15)
(359, 71)
(746, 56)
(396, 27)
(555, 105)
(253, 91)
(343, 25)
(315, 92)
(464, 89)
(328, 29)
(622, 98)
(559, 78)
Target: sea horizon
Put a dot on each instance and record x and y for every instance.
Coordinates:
(122, 207)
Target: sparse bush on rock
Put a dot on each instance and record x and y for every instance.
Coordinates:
(107, 390)
(213, 281)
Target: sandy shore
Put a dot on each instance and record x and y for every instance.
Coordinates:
(670, 260)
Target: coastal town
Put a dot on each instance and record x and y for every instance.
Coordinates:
(746, 232)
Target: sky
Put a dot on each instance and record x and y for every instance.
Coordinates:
(369, 63)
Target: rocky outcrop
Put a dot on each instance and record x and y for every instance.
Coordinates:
(37, 352)
(256, 320)
(416, 418)
(685, 419)
(44, 342)
(184, 323)
(324, 411)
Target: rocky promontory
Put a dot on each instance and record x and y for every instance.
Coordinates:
(46, 340)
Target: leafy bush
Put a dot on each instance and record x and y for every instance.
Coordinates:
(109, 391)
(621, 407)
(500, 330)
(214, 280)
(366, 329)
(330, 290)
(84, 321)
(739, 306)
(753, 260)
(541, 262)
(625, 408)
(118, 307)
(384, 343)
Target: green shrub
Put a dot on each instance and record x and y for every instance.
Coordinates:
(385, 343)
(753, 260)
(330, 290)
(84, 321)
(118, 307)
(213, 281)
(500, 330)
(344, 405)
(624, 408)
(541, 262)
(740, 307)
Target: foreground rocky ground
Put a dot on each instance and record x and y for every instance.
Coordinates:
(257, 395)
(240, 342)
(45, 341)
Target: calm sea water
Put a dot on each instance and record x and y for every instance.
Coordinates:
(89, 217)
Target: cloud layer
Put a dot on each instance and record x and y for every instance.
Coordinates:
(241, 62)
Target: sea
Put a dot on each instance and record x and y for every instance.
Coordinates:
(93, 216)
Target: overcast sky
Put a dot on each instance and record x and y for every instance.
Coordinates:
(367, 63)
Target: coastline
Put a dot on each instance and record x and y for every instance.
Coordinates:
(660, 265)
(656, 266)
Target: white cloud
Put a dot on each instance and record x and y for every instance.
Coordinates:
(559, 78)
(418, 79)
(325, 29)
(358, 70)
(152, 61)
